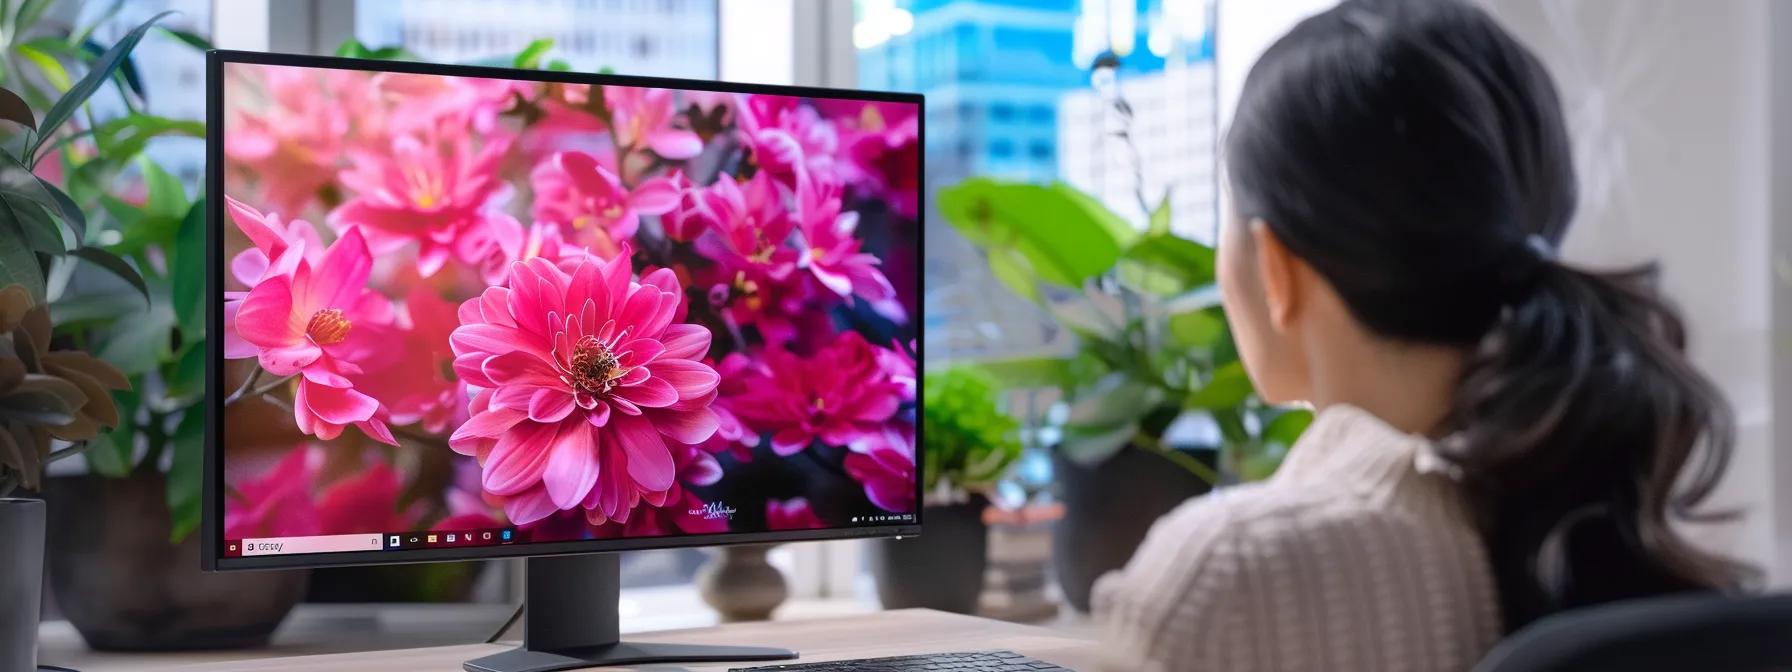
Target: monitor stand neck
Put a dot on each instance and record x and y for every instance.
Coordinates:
(572, 622)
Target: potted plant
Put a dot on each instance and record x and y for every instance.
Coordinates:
(112, 243)
(968, 445)
(49, 396)
(1159, 406)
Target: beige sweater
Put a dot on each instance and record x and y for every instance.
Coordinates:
(1356, 555)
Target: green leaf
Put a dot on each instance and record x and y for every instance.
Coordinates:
(1011, 269)
(40, 231)
(127, 74)
(1165, 265)
(1065, 236)
(66, 208)
(1197, 328)
(18, 264)
(101, 71)
(1026, 372)
(1287, 427)
(1160, 217)
(352, 48)
(114, 265)
(1228, 388)
(1114, 400)
(14, 109)
(53, 72)
(187, 268)
(17, 183)
(186, 376)
(193, 40)
(186, 473)
(530, 57)
(112, 453)
(393, 53)
(37, 407)
(559, 65)
(166, 199)
(124, 138)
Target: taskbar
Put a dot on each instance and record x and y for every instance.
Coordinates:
(369, 541)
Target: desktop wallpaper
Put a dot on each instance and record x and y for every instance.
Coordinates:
(573, 311)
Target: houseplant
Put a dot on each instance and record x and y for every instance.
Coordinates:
(968, 444)
(1160, 408)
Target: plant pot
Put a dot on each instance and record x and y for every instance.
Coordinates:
(941, 569)
(21, 581)
(124, 587)
(741, 585)
(1108, 508)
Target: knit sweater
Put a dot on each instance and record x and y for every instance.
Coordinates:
(1357, 555)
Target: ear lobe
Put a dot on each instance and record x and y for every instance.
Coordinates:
(1276, 271)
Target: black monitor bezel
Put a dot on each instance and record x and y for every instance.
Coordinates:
(211, 529)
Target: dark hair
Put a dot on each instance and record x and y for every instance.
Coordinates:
(1415, 155)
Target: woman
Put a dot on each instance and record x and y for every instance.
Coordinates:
(1499, 434)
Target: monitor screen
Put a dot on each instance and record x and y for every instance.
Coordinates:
(471, 312)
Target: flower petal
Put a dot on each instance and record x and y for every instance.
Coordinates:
(685, 341)
(337, 405)
(289, 360)
(572, 465)
(675, 144)
(649, 462)
(517, 462)
(693, 427)
(266, 317)
(529, 507)
(491, 423)
(650, 393)
(691, 379)
(550, 405)
(656, 196)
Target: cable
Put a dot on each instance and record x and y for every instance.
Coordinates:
(55, 668)
(501, 629)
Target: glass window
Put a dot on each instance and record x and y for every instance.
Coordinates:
(628, 37)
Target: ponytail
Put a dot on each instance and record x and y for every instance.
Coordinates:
(1575, 420)
(1415, 155)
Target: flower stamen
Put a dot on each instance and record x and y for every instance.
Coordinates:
(328, 327)
(594, 367)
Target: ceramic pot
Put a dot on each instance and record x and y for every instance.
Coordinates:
(741, 585)
(941, 569)
(1108, 508)
(21, 581)
(124, 587)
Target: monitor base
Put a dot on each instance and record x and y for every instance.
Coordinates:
(571, 621)
(619, 654)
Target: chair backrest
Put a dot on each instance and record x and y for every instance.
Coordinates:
(1691, 632)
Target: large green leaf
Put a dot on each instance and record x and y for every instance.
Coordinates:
(1166, 265)
(1197, 328)
(1011, 269)
(166, 197)
(125, 137)
(185, 473)
(1160, 217)
(1115, 400)
(186, 268)
(18, 184)
(1287, 426)
(95, 307)
(1065, 236)
(40, 232)
(101, 71)
(1228, 388)
(52, 70)
(18, 264)
(113, 265)
(1091, 445)
(193, 40)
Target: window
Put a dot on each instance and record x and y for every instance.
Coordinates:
(667, 38)
(1001, 149)
(1040, 150)
(1001, 113)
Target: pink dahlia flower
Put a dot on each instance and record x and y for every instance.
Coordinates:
(427, 188)
(319, 323)
(791, 514)
(590, 203)
(836, 395)
(884, 462)
(583, 379)
(833, 255)
(292, 148)
(642, 117)
(787, 137)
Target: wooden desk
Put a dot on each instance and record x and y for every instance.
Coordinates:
(890, 633)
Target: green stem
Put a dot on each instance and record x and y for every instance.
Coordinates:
(1179, 458)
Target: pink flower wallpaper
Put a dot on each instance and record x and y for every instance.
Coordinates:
(577, 311)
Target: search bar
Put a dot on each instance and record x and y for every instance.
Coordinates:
(330, 543)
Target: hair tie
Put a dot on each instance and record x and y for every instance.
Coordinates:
(1541, 247)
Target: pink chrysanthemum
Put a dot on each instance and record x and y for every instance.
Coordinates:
(836, 395)
(583, 379)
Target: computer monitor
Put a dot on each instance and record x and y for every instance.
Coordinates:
(468, 312)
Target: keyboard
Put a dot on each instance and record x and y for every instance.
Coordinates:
(966, 661)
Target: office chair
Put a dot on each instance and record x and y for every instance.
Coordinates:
(1692, 632)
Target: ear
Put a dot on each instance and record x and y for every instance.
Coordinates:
(1276, 270)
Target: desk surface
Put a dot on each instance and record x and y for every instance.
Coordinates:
(890, 633)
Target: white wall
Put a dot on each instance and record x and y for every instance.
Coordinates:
(1668, 104)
